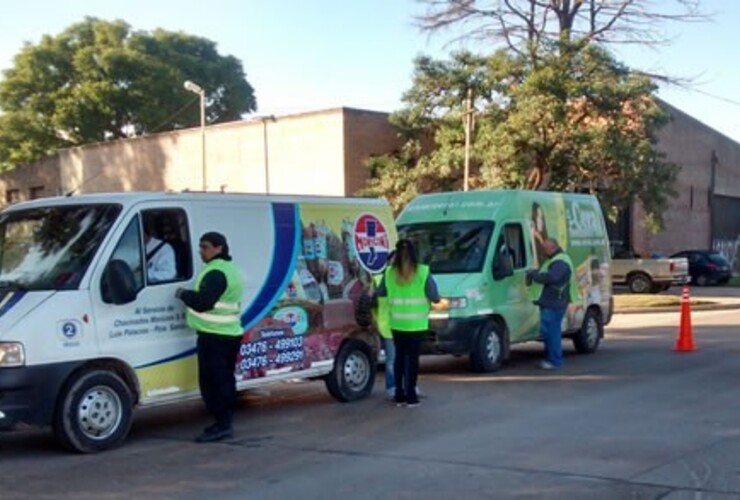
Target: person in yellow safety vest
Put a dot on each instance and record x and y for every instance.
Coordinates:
(382, 320)
(409, 288)
(213, 311)
(553, 287)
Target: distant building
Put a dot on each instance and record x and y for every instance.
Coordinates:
(324, 153)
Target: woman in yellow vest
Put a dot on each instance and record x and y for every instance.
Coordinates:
(213, 311)
(409, 288)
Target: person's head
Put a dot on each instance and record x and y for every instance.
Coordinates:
(405, 260)
(213, 245)
(551, 247)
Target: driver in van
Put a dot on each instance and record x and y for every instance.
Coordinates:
(160, 256)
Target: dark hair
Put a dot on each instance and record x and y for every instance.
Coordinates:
(405, 260)
(217, 240)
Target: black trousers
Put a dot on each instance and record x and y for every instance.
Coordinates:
(216, 365)
(406, 366)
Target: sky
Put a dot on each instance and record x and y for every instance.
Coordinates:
(302, 55)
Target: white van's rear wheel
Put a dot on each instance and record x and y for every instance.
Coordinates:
(94, 412)
(488, 350)
(587, 339)
(353, 375)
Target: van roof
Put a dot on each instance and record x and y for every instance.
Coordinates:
(129, 198)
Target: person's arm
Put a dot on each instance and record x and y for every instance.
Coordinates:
(558, 274)
(211, 289)
(432, 292)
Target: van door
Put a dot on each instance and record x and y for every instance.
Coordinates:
(510, 297)
(138, 318)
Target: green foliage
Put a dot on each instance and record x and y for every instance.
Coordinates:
(99, 80)
(570, 119)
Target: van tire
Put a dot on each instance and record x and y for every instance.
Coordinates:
(587, 339)
(93, 412)
(353, 375)
(489, 348)
(640, 283)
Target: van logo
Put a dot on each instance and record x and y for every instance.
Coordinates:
(371, 242)
(69, 331)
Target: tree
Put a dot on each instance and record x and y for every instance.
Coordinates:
(525, 25)
(576, 120)
(100, 80)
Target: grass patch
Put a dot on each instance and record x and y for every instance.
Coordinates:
(650, 300)
(734, 281)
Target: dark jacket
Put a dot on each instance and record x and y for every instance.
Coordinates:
(211, 288)
(555, 292)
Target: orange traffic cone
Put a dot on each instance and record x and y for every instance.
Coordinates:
(685, 342)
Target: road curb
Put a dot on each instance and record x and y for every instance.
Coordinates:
(676, 308)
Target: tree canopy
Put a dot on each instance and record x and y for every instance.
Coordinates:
(574, 120)
(100, 80)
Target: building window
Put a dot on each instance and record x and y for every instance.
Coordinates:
(35, 192)
(12, 195)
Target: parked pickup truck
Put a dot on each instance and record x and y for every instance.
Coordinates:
(647, 275)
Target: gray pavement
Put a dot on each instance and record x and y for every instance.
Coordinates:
(635, 420)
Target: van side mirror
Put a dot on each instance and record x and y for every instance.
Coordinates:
(118, 285)
(503, 266)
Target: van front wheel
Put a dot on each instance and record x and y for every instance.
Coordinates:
(94, 412)
(587, 339)
(488, 351)
(353, 375)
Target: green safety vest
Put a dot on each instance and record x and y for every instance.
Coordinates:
(224, 318)
(535, 290)
(409, 306)
(381, 314)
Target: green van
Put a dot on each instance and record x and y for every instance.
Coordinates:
(479, 245)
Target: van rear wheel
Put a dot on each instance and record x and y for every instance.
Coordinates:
(353, 375)
(587, 339)
(488, 351)
(94, 412)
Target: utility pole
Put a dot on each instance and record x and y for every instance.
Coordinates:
(468, 121)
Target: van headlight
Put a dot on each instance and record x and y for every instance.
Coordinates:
(12, 354)
(457, 302)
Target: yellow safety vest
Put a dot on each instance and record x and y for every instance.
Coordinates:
(224, 318)
(409, 306)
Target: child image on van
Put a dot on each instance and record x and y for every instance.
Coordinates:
(490, 307)
(82, 326)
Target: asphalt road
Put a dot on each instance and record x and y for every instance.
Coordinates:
(634, 420)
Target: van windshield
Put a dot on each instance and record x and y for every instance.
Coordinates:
(50, 248)
(451, 246)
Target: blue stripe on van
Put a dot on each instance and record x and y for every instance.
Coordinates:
(8, 299)
(185, 354)
(287, 242)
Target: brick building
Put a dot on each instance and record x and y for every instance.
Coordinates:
(323, 153)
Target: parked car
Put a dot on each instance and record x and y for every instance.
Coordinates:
(646, 274)
(707, 267)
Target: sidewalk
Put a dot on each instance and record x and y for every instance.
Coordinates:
(721, 298)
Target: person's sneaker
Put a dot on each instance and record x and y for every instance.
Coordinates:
(217, 434)
(413, 404)
(400, 401)
(546, 365)
(420, 394)
(390, 393)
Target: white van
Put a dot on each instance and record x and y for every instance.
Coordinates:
(87, 334)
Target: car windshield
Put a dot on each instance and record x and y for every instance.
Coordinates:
(50, 248)
(450, 247)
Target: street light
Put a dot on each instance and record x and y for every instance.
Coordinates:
(197, 89)
(265, 119)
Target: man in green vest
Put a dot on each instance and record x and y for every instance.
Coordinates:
(553, 287)
(213, 311)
